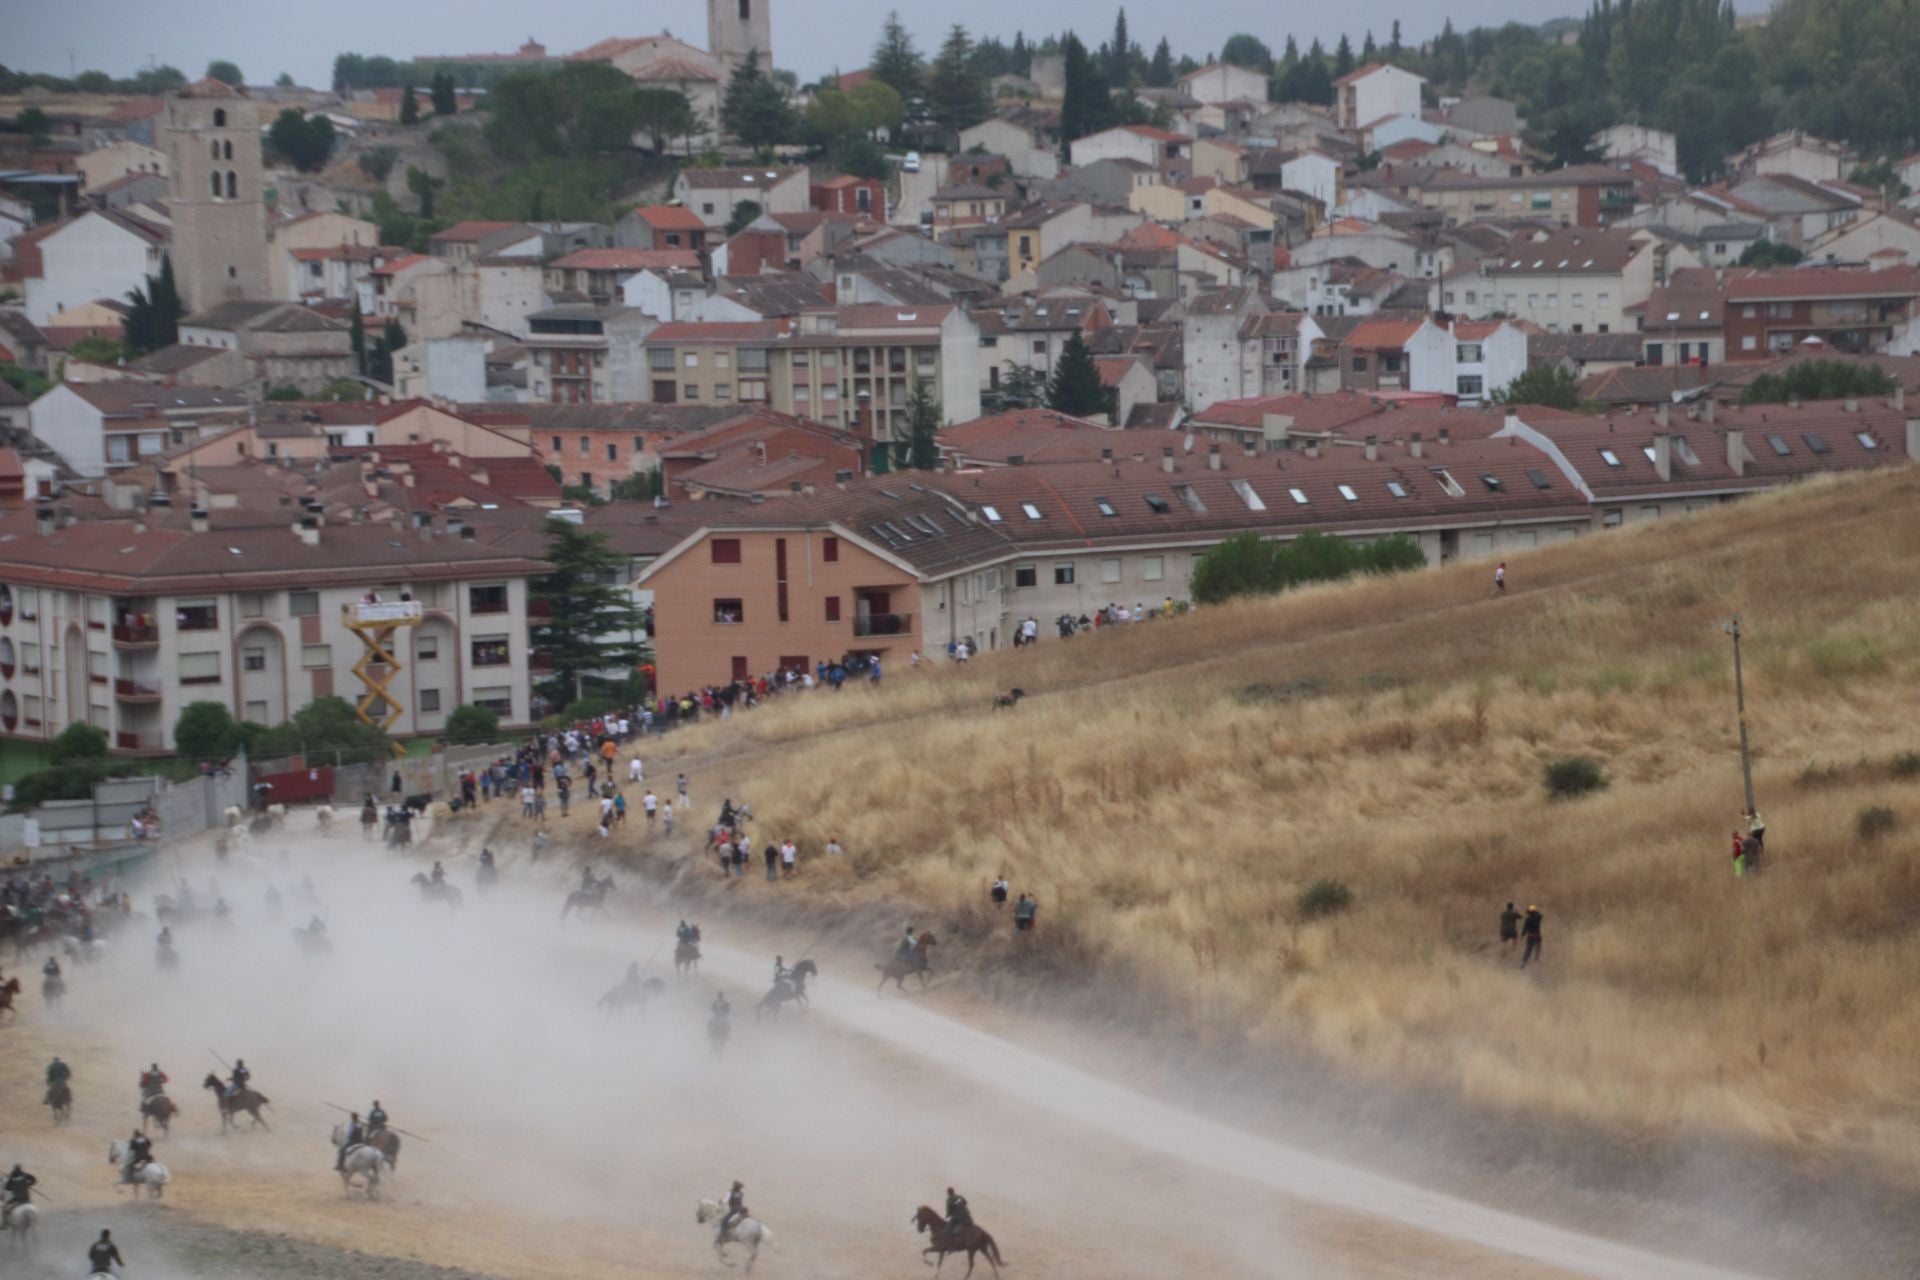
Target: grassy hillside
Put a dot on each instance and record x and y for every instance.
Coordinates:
(1168, 791)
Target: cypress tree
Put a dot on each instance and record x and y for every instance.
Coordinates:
(409, 106)
(1076, 385)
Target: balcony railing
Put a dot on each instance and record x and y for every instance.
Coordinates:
(883, 624)
(487, 606)
(135, 691)
(135, 634)
(138, 742)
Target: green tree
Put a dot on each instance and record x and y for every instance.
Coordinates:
(591, 617)
(305, 142)
(286, 393)
(225, 72)
(79, 742)
(98, 349)
(1088, 106)
(1342, 57)
(861, 158)
(895, 62)
(1247, 51)
(409, 106)
(1242, 565)
(205, 730)
(473, 724)
(446, 100)
(326, 731)
(744, 215)
(1076, 387)
(921, 448)
(1123, 55)
(340, 390)
(283, 81)
(357, 340)
(1819, 380)
(153, 321)
(422, 184)
(1022, 386)
(956, 92)
(665, 115)
(36, 124)
(1160, 70)
(377, 162)
(1550, 385)
(25, 381)
(380, 359)
(1769, 253)
(756, 112)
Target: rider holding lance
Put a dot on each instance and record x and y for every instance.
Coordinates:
(58, 1073)
(240, 1077)
(19, 1188)
(356, 1136)
(376, 1118)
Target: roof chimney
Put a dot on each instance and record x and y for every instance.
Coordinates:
(1166, 459)
(309, 530)
(1660, 415)
(1213, 455)
(1853, 404)
(1899, 400)
(1414, 447)
(43, 517)
(1373, 448)
(68, 518)
(1663, 454)
(198, 519)
(1446, 435)
(840, 478)
(1737, 452)
(1707, 411)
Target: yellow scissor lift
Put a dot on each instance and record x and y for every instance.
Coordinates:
(377, 625)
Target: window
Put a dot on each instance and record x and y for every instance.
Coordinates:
(197, 615)
(729, 611)
(498, 699)
(722, 360)
(1025, 576)
(1299, 496)
(723, 391)
(992, 513)
(1779, 446)
(489, 599)
(29, 600)
(1359, 364)
(1609, 457)
(1473, 385)
(833, 608)
(1110, 569)
(613, 453)
(754, 390)
(1156, 504)
(1397, 489)
(1153, 568)
(490, 651)
(253, 605)
(1866, 440)
(691, 360)
(29, 656)
(689, 392)
(1467, 353)
(426, 648)
(1492, 482)
(1815, 442)
(725, 550)
(830, 550)
(1748, 342)
(429, 701)
(1063, 574)
(303, 604)
(753, 360)
(1779, 311)
(253, 658)
(200, 668)
(1105, 508)
(316, 657)
(1033, 512)
(659, 359)
(1538, 477)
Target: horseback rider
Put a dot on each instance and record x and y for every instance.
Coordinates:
(726, 813)
(720, 1008)
(780, 971)
(51, 969)
(166, 938)
(19, 1188)
(316, 927)
(240, 1077)
(684, 933)
(633, 974)
(587, 883)
(376, 1118)
(58, 1073)
(356, 1136)
(153, 1082)
(736, 1210)
(439, 876)
(958, 1215)
(909, 946)
(139, 1154)
(486, 859)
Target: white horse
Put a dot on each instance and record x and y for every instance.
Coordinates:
(153, 1175)
(362, 1161)
(323, 818)
(18, 1224)
(233, 815)
(748, 1232)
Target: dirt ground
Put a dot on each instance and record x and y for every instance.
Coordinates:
(559, 1141)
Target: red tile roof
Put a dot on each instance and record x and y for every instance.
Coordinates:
(1825, 282)
(470, 232)
(629, 260)
(1383, 335)
(669, 217)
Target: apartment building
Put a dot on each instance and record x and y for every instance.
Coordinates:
(587, 354)
(1589, 195)
(1852, 311)
(1570, 281)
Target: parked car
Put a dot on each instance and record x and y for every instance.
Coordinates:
(912, 163)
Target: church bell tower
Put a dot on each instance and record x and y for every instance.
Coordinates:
(737, 28)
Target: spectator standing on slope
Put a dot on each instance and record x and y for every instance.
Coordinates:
(1500, 577)
(1509, 928)
(1530, 930)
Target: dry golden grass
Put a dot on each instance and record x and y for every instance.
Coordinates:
(1170, 789)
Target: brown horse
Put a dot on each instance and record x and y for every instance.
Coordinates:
(387, 1143)
(8, 991)
(686, 957)
(247, 1100)
(585, 900)
(160, 1109)
(897, 969)
(430, 891)
(968, 1240)
(60, 1098)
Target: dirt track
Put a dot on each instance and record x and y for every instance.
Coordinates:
(564, 1144)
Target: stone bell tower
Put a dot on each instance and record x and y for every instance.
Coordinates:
(736, 28)
(211, 134)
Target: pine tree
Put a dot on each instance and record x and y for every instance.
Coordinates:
(1393, 43)
(409, 106)
(1342, 57)
(755, 110)
(921, 449)
(590, 624)
(956, 92)
(445, 100)
(1088, 107)
(896, 62)
(380, 360)
(1160, 70)
(1022, 56)
(1368, 50)
(357, 338)
(1121, 53)
(1076, 388)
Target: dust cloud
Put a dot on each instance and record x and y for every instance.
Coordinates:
(558, 1140)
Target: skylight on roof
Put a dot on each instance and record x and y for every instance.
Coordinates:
(1447, 482)
(1033, 512)
(1106, 508)
(1397, 489)
(1780, 447)
(1247, 495)
(1648, 450)
(888, 493)
(1609, 457)
(990, 512)
(1191, 498)
(1814, 442)
(1539, 478)
(1490, 480)
(1866, 440)
(1346, 491)
(1158, 504)
(1298, 497)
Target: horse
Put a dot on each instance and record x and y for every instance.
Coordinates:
(52, 988)
(968, 1240)
(18, 1223)
(168, 959)
(323, 819)
(385, 1141)
(369, 819)
(8, 990)
(486, 877)
(360, 1161)
(158, 1108)
(60, 1099)
(897, 969)
(247, 1100)
(748, 1233)
(792, 987)
(719, 1028)
(312, 943)
(631, 995)
(686, 957)
(442, 892)
(1009, 699)
(152, 1175)
(585, 900)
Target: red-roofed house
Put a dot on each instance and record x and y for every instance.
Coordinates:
(1771, 312)
(660, 226)
(1130, 378)
(598, 274)
(863, 197)
(1374, 92)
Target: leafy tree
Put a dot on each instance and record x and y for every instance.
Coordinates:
(340, 390)
(473, 724)
(98, 349)
(861, 158)
(327, 730)
(835, 117)
(1076, 387)
(956, 91)
(895, 62)
(1239, 566)
(744, 215)
(1819, 380)
(286, 393)
(377, 162)
(153, 321)
(1247, 51)
(591, 616)
(225, 72)
(305, 142)
(422, 184)
(445, 99)
(664, 115)
(205, 730)
(1247, 564)
(25, 381)
(36, 124)
(283, 81)
(1022, 386)
(921, 448)
(1160, 70)
(409, 106)
(78, 742)
(641, 486)
(755, 111)
(1553, 386)
(1880, 176)
(1769, 253)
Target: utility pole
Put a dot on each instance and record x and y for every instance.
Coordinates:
(1732, 628)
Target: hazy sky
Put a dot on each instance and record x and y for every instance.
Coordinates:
(809, 36)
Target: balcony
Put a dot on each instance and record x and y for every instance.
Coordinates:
(135, 635)
(135, 691)
(143, 743)
(883, 624)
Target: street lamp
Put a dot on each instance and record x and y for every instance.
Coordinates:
(1732, 628)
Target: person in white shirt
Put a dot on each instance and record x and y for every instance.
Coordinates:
(652, 805)
(833, 848)
(636, 770)
(788, 855)
(666, 816)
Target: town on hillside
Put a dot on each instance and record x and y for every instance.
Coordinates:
(998, 339)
